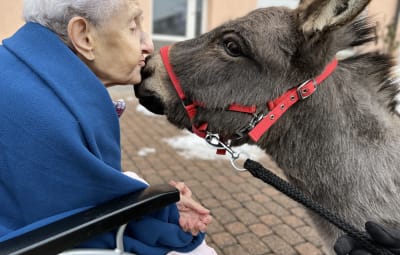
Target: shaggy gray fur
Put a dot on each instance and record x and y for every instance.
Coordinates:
(341, 146)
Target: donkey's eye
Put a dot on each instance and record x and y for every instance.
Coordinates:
(232, 48)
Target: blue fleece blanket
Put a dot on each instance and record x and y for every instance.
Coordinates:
(60, 145)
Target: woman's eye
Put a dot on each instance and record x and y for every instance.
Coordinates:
(232, 48)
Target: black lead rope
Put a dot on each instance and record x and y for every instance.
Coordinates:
(258, 171)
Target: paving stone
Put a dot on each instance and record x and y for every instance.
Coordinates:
(166, 174)
(220, 193)
(260, 229)
(200, 192)
(292, 221)
(210, 184)
(285, 201)
(299, 212)
(248, 189)
(236, 228)
(279, 246)
(211, 203)
(230, 187)
(250, 217)
(270, 220)
(310, 234)
(224, 215)
(241, 197)
(270, 191)
(235, 250)
(231, 204)
(288, 234)
(276, 209)
(154, 180)
(236, 179)
(261, 198)
(253, 244)
(245, 216)
(255, 208)
(215, 227)
(223, 239)
(307, 249)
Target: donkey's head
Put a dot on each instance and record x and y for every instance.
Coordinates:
(249, 61)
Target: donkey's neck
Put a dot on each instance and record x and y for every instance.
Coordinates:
(344, 125)
(341, 147)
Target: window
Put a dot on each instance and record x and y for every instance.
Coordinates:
(176, 20)
(289, 3)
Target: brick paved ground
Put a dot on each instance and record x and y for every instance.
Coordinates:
(250, 217)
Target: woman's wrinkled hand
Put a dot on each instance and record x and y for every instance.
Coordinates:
(193, 217)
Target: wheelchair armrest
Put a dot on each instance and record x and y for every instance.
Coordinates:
(75, 229)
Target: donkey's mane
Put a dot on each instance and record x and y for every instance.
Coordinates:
(377, 64)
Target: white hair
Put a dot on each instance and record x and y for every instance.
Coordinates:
(55, 14)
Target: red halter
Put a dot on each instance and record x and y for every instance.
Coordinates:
(260, 124)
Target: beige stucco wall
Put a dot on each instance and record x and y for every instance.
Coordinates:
(10, 17)
(218, 11)
(382, 9)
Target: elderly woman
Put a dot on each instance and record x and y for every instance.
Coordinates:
(59, 132)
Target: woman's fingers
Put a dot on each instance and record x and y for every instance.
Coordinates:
(190, 203)
(182, 187)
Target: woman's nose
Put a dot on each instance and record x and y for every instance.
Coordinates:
(147, 44)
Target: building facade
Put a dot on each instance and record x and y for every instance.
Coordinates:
(174, 20)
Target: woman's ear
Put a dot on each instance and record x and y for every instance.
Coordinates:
(79, 33)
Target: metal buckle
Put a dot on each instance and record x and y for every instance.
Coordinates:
(299, 89)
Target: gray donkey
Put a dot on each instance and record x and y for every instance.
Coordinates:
(341, 145)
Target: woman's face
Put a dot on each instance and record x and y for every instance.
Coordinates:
(120, 47)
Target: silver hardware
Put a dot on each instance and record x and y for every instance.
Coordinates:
(300, 89)
(253, 122)
(256, 118)
(213, 139)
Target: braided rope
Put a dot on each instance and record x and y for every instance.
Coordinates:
(258, 171)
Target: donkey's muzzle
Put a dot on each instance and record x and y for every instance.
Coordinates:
(149, 100)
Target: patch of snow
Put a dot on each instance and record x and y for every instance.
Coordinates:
(146, 151)
(191, 146)
(144, 111)
(130, 99)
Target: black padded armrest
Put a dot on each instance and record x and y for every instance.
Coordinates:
(73, 230)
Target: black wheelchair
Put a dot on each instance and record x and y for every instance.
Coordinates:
(60, 236)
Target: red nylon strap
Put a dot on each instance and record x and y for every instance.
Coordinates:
(280, 105)
(191, 109)
(164, 52)
(200, 130)
(242, 108)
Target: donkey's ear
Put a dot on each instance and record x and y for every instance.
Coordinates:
(322, 15)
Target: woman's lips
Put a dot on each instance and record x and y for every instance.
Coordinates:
(142, 63)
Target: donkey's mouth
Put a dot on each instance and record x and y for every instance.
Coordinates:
(149, 100)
